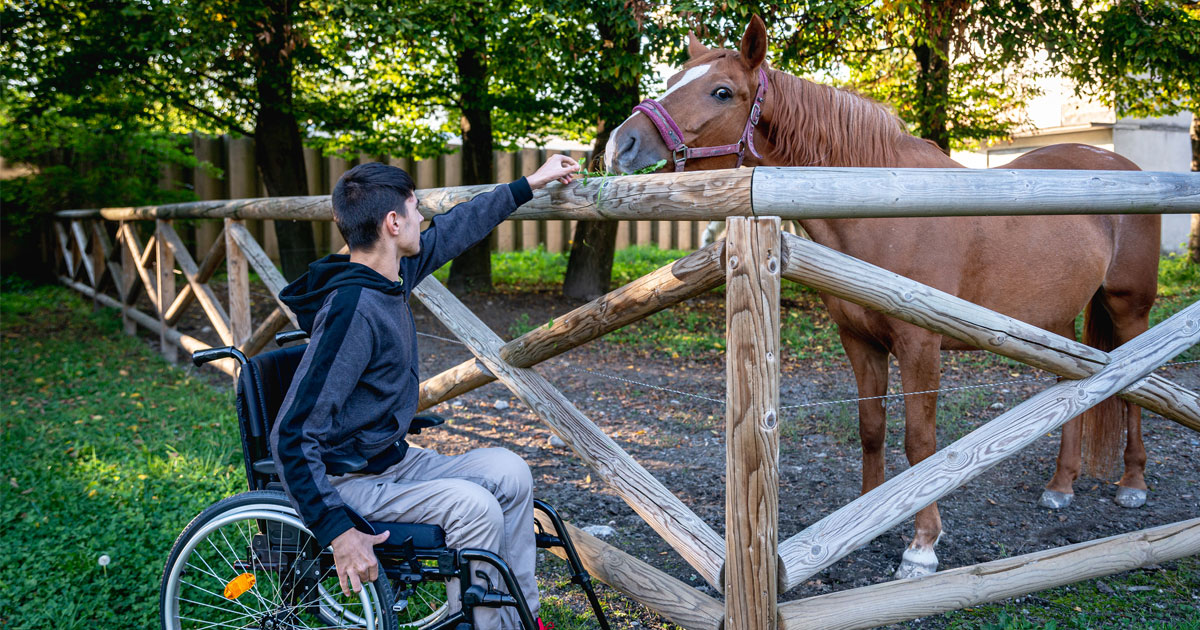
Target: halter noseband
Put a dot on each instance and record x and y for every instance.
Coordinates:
(673, 137)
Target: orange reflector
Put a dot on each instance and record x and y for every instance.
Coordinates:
(239, 585)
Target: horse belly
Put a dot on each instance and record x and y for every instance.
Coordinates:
(1041, 270)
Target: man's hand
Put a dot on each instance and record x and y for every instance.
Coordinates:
(557, 167)
(355, 559)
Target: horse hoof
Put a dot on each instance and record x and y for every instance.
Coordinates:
(917, 563)
(1055, 500)
(1130, 497)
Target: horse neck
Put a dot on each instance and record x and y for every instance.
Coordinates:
(824, 126)
(808, 124)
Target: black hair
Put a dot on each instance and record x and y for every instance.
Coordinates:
(363, 197)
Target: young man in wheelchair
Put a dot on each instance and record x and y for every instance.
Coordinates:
(338, 441)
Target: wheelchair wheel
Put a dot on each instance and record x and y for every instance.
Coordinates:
(248, 562)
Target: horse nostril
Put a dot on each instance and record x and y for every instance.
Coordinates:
(629, 146)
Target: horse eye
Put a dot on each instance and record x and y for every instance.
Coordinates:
(723, 93)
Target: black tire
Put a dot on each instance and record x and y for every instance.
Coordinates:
(183, 604)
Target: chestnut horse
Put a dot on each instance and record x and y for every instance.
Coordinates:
(1040, 269)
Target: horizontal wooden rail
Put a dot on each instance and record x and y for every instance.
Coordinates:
(786, 192)
(665, 595)
(670, 284)
(902, 600)
(846, 277)
(873, 513)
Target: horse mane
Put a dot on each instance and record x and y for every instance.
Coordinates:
(818, 125)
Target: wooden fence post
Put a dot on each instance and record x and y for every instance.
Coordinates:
(165, 265)
(239, 286)
(129, 277)
(752, 278)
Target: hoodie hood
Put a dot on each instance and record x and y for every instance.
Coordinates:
(307, 294)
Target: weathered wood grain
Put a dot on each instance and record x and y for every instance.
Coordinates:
(859, 522)
(140, 256)
(81, 242)
(902, 600)
(164, 264)
(202, 292)
(834, 193)
(787, 192)
(208, 266)
(104, 256)
(238, 272)
(680, 280)
(64, 246)
(129, 280)
(661, 593)
(687, 533)
(860, 282)
(265, 332)
(261, 263)
(752, 424)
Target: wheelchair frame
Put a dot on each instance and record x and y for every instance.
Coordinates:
(414, 554)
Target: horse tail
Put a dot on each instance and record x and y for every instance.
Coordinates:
(1105, 423)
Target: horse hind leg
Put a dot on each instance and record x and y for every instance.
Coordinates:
(920, 370)
(1131, 317)
(870, 365)
(1060, 490)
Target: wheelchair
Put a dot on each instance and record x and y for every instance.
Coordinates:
(247, 561)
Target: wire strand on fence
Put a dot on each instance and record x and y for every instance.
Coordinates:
(897, 395)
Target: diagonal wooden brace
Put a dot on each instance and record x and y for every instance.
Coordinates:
(687, 533)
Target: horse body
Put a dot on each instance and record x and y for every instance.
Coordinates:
(1043, 270)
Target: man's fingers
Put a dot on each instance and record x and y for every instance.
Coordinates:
(378, 538)
(355, 581)
(373, 571)
(342, 581)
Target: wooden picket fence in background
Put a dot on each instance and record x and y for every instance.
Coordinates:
(235, 157)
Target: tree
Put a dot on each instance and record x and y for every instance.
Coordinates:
(614, 86)
(496, 73)
(1143, 59)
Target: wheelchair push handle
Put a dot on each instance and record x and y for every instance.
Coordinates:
(288, 336)
(200, 357)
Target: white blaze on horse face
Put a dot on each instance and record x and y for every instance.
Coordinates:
(689, 76)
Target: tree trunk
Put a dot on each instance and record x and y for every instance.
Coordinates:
(1194, 237)
(933, 78)
(589, 267)
(472, 270)
(277, 145)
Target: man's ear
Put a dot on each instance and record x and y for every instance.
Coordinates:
(391, 223)
(695, 47)
(754, 43)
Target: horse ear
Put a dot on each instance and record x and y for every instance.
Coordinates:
(754, 43)
(695, 46)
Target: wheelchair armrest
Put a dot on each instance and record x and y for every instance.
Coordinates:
(200, 357)
(289, 336)
(424, 421)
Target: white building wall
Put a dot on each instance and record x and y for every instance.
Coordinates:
(1160, 144)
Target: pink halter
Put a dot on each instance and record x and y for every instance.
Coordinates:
(673, 137)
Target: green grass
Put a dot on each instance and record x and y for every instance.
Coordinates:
(110, 451)
(1151, 599)
(107, 451)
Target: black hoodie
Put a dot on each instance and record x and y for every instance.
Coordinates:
(356, 389)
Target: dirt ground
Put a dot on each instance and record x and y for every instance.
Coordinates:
(680, 439)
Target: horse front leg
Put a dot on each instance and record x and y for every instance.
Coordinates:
(920, 371)
(870, 364)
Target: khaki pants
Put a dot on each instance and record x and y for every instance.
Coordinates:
(483, 499)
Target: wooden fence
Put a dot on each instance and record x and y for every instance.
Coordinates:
(235, 158)
(750, 565)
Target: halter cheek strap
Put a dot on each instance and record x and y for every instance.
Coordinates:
(673, 136)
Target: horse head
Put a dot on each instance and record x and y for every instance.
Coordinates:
(706, 118)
